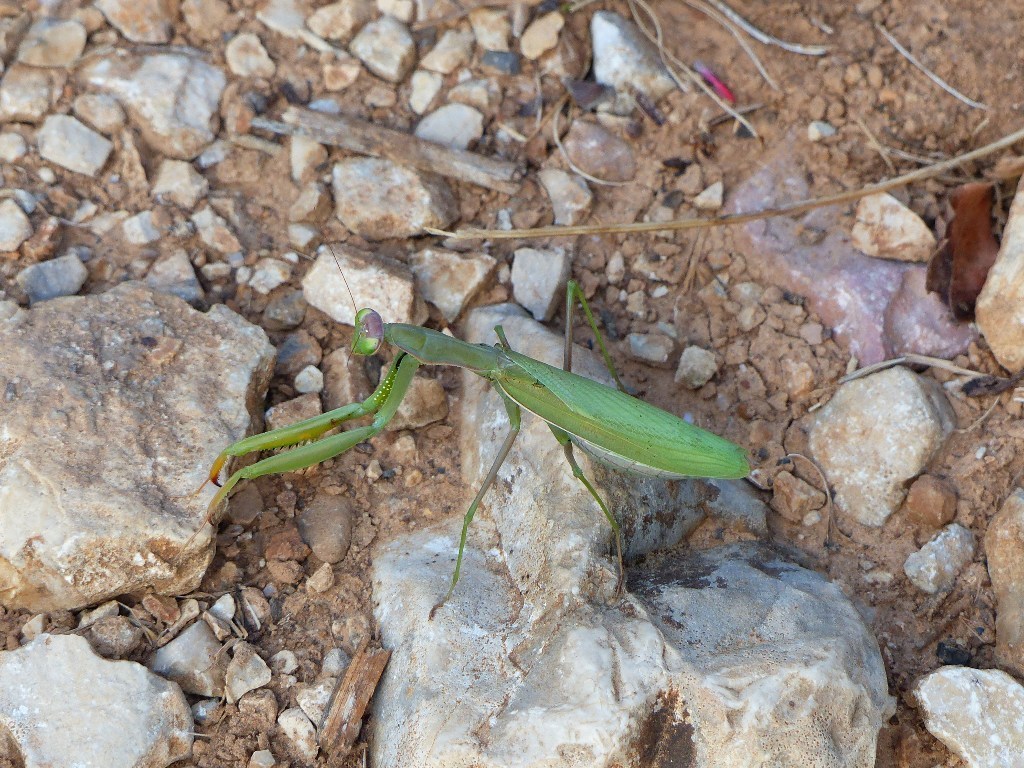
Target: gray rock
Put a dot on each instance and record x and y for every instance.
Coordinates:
(652, 347)
(711, 198)
(115, 637)
(1004, 551)
(599, 152)
(305, 156)
(296, 351)
(538, 280)
(624, 59)
(70, 144)
(378, 199)
(138, 720)
(935, 566)
(293, 411)
(63, 276)
(179, 182)
(452, 51)
(262, 758)
(448, 280)
(313, 699)
(12, 147)
(174, 274)
(340, 21)
(195, 660)
(454, 125)
(172, 98)
(140, 229)
(502, 62)
(52, 43)
(386, 48)
(345, 379)
(998, 308)
(424, 86)
(569, 194)
(141, 21)
(246, 672)
(284, 311)
(15, 228)
(869, 460)
(246, 57)
(27, 93)
(697, 367)
(976, 713)
(326, 527)
(100, 111)
(269, 274)
(732, 629)
(299, 731)
(378, 282)
(819, 130)
(146, 353)
(424, 403)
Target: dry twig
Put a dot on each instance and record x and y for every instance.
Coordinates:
(343, 716)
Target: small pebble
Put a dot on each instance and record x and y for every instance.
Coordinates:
(501, 62)
(453, 125)
(52, 42)
(298, 729)
(711, 198)
(246, 672)
(651, 347)
(12, 147)
(697, 367)
(326, 527)
(452, 51)
(335, 664)
(386, 48)
(542, 35)
(935, 566)
(491, 27)
(70, 144)
(931, 502)
(262, 758)
(424, 88)
(818, 130)
(63, 276)
(101, 111)
(269, 274)
(795, 499)
(140, 229)
(15, 227)
(246, 57)
(340, 21)
(309, 379)
(538, 280)
(313, 699)
(284, 662)
(570, 196)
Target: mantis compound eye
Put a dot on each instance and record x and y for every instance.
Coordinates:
(369, 332)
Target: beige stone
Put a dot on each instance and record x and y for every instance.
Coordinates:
(1000, 308)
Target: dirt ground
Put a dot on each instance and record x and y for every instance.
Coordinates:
(863, 88)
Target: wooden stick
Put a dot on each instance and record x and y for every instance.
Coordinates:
(364, 137)
(343, 716)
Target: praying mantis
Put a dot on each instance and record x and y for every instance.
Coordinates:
(609, 424)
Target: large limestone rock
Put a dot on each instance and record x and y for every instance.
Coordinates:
(728, 657)
(1000, 308)
(115, 406)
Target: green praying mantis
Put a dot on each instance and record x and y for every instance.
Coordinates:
(609, 424)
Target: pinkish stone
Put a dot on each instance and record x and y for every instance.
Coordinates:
(878, 309)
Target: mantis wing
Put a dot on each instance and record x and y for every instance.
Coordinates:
(618, 428)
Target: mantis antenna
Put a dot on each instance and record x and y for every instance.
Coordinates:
(355, 309)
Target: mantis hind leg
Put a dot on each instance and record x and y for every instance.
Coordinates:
(566, 442)
(515, 420)
(572, 293)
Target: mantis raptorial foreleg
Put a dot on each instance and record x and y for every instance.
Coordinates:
(382, 404)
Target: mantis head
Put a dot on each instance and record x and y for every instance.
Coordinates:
(369, 332)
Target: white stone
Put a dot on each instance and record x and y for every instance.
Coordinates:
(309, 379)
(68, 541)
(224, 608)
(977, 713)
(340, 71)
(424, 403)
(624, 59)
(403, 10)
(424, 86)
(652, 347)
(886, 228)
(721, 657)
(52, 43)
(45, 280)
(214, 231)
(491, 27)
(246, 672)
(297, 728)
(877, 433)
(452, 51)
(141, 21)
(269, 274)
(539, 278)
(935, 566)
(448, 280)
(818, 130)
(697, 367)
(139, 229)
(454, 125)
(386, 48)
(340, 21)
(173, 98)
(12, 147)
(179, 182)
(262, 758)
(305, 155)
(195, 660)
(136, 718)
(378, 199)
(174, 274)
(336, 661)
(313, 699)
(15, 228)
(1000, 307)
(70, 144)
(711, 198)
(383, 284)
(482, 94)
(247, 57)
(569, 194)
(542, 35)
(26, 93)
(99, 110)
(288, 18)
(284, 662)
